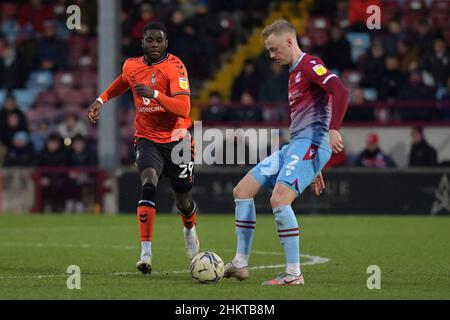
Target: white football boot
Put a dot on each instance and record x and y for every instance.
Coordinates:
(145, 264)
(191, 242)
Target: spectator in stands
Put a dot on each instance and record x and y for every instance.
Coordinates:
(9, 125)
(393, 79)
(72, 126)
(422, 154)
(40, 134)
(12, 127)
(445, 108)
(373, 65)
(337, 51)
(81, 154)
(20, 153)
(216, 110)
(393, 38)
(437, 62)
(423, 36)
(273, 87)
(146, 16)
(406, 54)
(372, 156)
(414, 91)
(11, 76)
(53, 53)
(54, 153)
(360, 109)
(54, 185)
(249, 81)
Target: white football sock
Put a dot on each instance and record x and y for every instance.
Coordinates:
(294, 269)
(189, 232)
(240, 260)
(146, 248)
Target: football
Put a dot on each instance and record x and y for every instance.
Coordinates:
(207, 267)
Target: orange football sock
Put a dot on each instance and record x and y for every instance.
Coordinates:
(146, 218)
(189, 221)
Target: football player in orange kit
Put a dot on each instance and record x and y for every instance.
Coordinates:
(160, 86)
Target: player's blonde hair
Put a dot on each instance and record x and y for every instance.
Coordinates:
(278, 27)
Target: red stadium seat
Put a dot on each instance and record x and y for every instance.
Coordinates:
(410, 19)
(317, 37)
(447, 36)
(8, 9)
(440, 5)
(48, 97)
(70, 96)
(440, 19)
(415, 5)
(65, 79)
(320, 23)
(88, 79)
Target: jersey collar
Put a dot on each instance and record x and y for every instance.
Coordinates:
(155, 63)
(295, 65)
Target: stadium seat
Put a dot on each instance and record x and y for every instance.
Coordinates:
(70, 96)
(88, 79)
(66, 80)
(40, 80)
(370, 94)
(48, 98)
(410, 19)
(359, 42)
(415, 5)
(447, 36)
(321, 23)
(10, 29)
(2, 97)
(25, 97)
(440, 5)
(351, 78)
(440, 19)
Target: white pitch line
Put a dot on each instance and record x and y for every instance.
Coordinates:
(313, 260)
(119, 247)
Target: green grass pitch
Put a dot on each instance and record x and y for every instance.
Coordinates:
(35, 251)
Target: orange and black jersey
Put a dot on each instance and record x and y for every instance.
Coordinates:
(153, 120)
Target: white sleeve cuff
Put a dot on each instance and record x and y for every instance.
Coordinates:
(100, 100)
(155, 94)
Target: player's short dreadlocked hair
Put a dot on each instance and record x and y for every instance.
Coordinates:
(155, 26)
(278, 27)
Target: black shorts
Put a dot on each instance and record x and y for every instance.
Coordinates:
(179, 170)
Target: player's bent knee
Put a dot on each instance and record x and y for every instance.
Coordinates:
(279, 199)
(149, 175)
(240, 192)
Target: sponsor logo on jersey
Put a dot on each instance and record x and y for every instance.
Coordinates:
(298, 77)
(151, 109)
(320, 70)
(183, 82)
(311, 152)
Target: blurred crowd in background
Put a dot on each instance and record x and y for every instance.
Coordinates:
(48, 73)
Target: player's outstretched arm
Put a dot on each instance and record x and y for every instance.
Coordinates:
(119, 86)
(93, 111)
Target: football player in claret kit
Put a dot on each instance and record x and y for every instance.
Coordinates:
(160, 86)
(318, 101)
